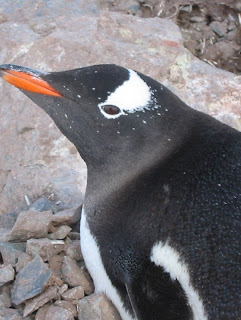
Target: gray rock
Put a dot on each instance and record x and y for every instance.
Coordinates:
(220, 28)
(41, 204)
(7, 274)
(30, 281)
(4, 235)
(8, 219)
(5, 297)
(27, 10)
(97, 307)
(11, 314)
(74, 235)
(31, 224)
(10, 252)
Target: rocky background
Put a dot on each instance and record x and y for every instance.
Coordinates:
(42, 178)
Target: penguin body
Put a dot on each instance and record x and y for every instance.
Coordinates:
(161, 227)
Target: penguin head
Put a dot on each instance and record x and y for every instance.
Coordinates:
(105, 110)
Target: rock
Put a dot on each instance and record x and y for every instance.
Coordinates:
(41, 204)
(4, 235)
(45, 248)
(198, 19)
(237, 5)
(7, 274)
(60, 233)
(67, 305)
(11, 252)
(41, 313)
(55, 280)
(97, 307)
(8, 219)
(73, 250)
(68, 216)
(74, 276)
(63, 288)
(58, 313)
(23, 260)
(40, 300)
(11, 314)
(23, 10)
(74, 294)
(43, 26)
(55, 263)
(31, 224)
(30, 281)
(130, 6)
(74, 235)
(5, 297)
(220, 28)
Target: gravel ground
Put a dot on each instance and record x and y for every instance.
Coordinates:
(211, 30)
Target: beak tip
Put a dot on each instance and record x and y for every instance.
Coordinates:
(27, 79)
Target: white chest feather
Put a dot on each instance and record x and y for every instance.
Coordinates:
(96, 268)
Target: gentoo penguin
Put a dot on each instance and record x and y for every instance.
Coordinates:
(161, 227)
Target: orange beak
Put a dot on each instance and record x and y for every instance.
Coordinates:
(25, 79)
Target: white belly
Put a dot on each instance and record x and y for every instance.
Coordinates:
(93, 261)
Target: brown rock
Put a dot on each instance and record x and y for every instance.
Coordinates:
(67, 305)
(55, 263)
(60, 233)
(55, 280)
(30, 281)
(31, 224)
(68, 216)
(97, 307)
(58, 313)
(45, 248)
(73, 250)
(7, 274)
(74, 294)
(75, 276)
(5, 297)
(63, 288)
(40, 300)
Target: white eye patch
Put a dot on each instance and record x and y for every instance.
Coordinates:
(133, 95)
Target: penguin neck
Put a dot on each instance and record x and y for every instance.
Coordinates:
(125, 168)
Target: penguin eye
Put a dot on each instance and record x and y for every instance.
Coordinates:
(110, 109)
